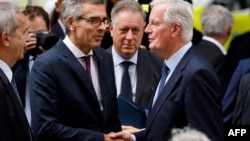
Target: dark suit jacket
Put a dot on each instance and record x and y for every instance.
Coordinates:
(20, 75)
(190, 97)
(148, 69)
(230, 97)
(57, 30)
(216, 58)
(13, 123)
(239, 49)
(241, 115)
(64, 104)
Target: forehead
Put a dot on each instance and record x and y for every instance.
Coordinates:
(36, 24)
(90, 9)
(129, 17)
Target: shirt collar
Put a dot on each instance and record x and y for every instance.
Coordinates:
(174, 60)
(6, 69)
(117, 59)
(219, 45)
(74, 49)
(61, 25)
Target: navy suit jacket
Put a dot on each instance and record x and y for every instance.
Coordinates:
(241, 114)
(230, 97)
(64, 104)
(191, 97)
(13, 123)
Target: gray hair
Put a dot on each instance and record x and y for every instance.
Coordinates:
(127, 5)
(178, 11)
(8, 22)
(216, 20)
(74, 8)
(188, 134)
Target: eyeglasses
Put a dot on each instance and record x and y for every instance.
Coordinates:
(96, 22)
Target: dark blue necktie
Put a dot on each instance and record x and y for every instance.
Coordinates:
(164, 75)
(126, 88)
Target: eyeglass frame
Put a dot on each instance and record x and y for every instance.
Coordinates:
(98, 21)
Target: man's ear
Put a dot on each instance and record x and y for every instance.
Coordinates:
(5, 39)
(176, 29)
(111, 29)
(71, 23)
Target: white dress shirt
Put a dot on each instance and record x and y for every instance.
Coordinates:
(118, 69)
(93, 66)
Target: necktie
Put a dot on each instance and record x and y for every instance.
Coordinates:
(87, 63)
(126, 88)
(164, 75)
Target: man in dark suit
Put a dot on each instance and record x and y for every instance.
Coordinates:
(191, 95)
(145, 68)
(215, 35)
(13, 123)
(230, 97)
(241, 115)
(57, 27)
(73, 95)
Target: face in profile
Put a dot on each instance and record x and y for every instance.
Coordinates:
(18, 40)
(159, 33)
(87, 35)
(127, 32)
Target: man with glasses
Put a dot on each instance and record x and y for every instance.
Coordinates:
(73, 95)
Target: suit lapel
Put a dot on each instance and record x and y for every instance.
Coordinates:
(171, 85)
(142, 71)
(77, 68)
(19, 111)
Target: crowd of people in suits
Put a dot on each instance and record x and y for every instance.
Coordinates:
(176, 76)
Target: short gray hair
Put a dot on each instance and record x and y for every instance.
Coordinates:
(8, 22)
(73, 8)
(216, 20)
(188, 134)
(127, 5)
(178, 11)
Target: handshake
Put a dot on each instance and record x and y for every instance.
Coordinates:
(125, 135)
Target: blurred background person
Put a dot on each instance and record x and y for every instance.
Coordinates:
(144, 67)
(188, 134)
(73, 94)
(38, 20)
(13, 27)
(217, 24)
(57, 27)
(241, 113)
(230, 98)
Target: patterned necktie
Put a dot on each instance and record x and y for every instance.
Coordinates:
(164, 75)
(126, 88)
(87, 63)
